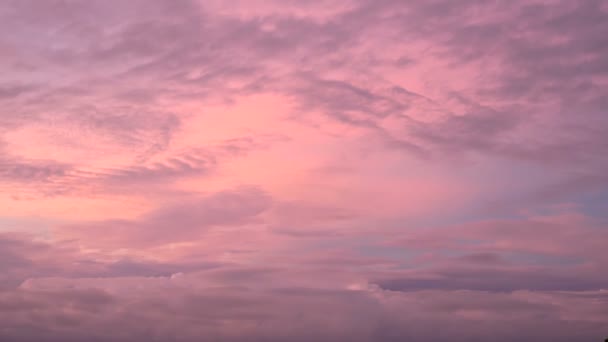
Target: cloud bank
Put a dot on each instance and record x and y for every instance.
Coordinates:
(293, 171)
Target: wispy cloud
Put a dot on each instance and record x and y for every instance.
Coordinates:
(362, 170)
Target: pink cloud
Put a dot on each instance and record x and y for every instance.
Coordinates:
(363, 170)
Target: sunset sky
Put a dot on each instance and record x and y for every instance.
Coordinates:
(304, 170)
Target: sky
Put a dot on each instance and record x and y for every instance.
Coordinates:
(320, 170)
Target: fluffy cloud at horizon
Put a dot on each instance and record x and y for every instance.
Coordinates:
(360, 170)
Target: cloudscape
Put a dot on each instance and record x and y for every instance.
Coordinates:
(283, 170)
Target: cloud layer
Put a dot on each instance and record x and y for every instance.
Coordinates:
(362, 170)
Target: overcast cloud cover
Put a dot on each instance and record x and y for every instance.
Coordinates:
(282, 170)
